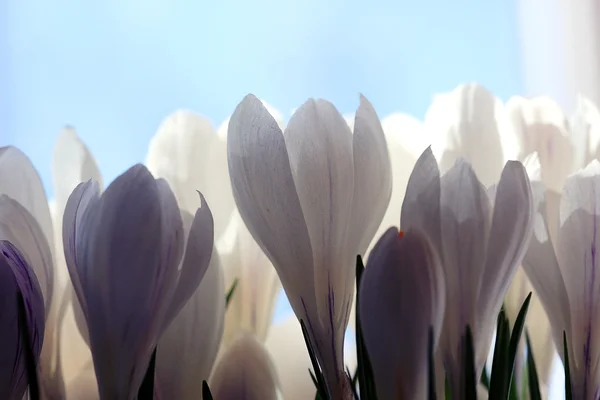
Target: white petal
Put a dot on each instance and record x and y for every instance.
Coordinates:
(319, 144)
(465, 225)
(421, 205)
(20, 228)
(198, 253)
(465, 122)
(72, 163)
(245, 372)
(578, 260)
(189, 155)
(512, 225)
(266, 197)
(372, 176)
(188, 348)
(20, 181)
(541, 126)
(288, 351)
(544, 273)
(253, 303)
(585, 132)
(401, 298)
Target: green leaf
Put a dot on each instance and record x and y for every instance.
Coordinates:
(568, 391)
(515, 338)
(206, 394)
(321, 387)
(146, 391)
(469, 363)
(532, 376)
(230, 292)
(499, 378)
(30, 364)
(485, 379)
(431, 361)
(366, 382)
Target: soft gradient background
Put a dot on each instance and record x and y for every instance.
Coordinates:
(114, 69)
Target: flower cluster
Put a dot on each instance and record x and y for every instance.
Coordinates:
(478, 227)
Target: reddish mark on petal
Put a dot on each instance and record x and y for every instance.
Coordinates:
(400, 234)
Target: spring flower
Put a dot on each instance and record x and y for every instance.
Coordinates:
(244, 371)
(562, 266)
(123, 251)
(312, 198)
(481, 242)
(402, 297)
(187, 152)
(188, 348)
(252, 307)
(18, 277)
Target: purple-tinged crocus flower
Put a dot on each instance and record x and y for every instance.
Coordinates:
(402, 297)
(481, 243)
(17, 276)
(563, 265)
(123, 250)
(312, 197)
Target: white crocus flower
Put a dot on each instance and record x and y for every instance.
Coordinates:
(66, 336)
(313, 199)
(123, 250)
(481, 243)
(252, 306)
(187, 152)
(563, 267)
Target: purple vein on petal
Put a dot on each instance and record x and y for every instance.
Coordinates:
(310, 327)
(588, 339)
(331, 302)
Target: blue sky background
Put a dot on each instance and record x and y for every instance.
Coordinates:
(115, 68)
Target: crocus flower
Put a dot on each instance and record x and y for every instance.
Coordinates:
(562, 265)
(481, 242)
(123, 250)
(402, 297)
(65, 353)
(252, 306)
(188, 348)
(312, 198)
(25, 221)
(17, 277)
(187, 152)
(244, 371)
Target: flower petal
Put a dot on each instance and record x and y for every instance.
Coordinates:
(468, 118)
(17, 276)
(19, 227)
(72, 163)
(266, 197)
(252, 307)
(465, 225)
(245, 372)
(576, 252)
(421, 205)
(188, 348)
(187, 152)
(20, 181)
(128, 253)
(198, 253)
(402, 297)
(512, 225)
(319, 143)
(372, 176)
(541, 127)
